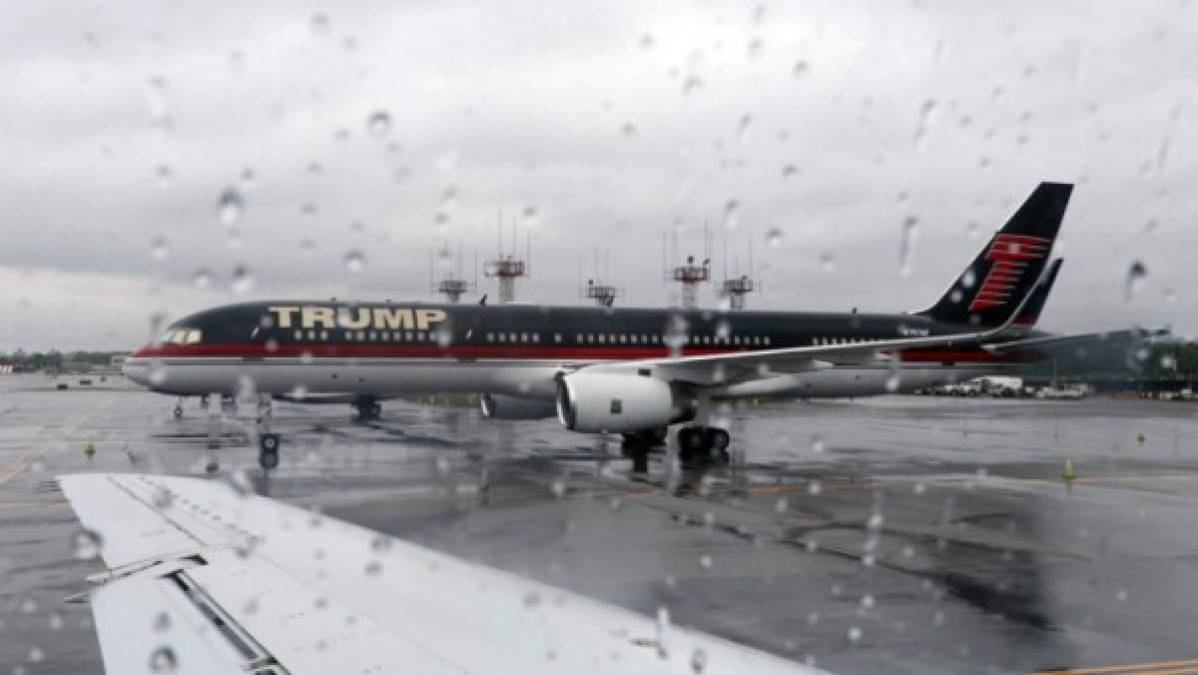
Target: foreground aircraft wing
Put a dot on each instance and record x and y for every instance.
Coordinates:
(206, 579)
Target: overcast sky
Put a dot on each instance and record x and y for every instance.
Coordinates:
(602, 127)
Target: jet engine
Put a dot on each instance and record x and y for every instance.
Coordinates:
(594, 402)
(500, 407)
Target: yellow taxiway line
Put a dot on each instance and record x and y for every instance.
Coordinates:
(8, 473)
(1156, 668)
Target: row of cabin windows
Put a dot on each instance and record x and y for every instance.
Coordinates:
(841, 340)
(369, 336)
(632, 339)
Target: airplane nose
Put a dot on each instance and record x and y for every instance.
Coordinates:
(137, 370)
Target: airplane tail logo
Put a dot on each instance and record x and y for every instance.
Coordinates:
(1011, 265)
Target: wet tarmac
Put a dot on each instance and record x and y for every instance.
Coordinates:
(897, 535)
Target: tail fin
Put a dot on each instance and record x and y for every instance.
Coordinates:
(1035, 304)
(1007, 269)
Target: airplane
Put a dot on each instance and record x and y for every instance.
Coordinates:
(205, 578)
(633, 371)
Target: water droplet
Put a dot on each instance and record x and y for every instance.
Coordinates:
(559, 488)
(705, 561)
(893, 382)
(163, 175)
(320, 24)
(907, 244)
(355, 261)
(163, 660)
(800, 69)
(663, 630)
(202, 278)
(919, 488)
(379, 124)
(691, 85)
(373, 568)
(698, 660)
(159, 249)
(28, 606)
(162, 622)
(732, 214)
(926, 113)
(867, 601)
(818, 444)
(628, 130)
(875, 521)
(754, 48)
(532, 599)
(229, 206)
(790, 172)
(1137, 276)
(647, 41)
(381, 543)
(743, 126)
(86, 544)
(773, 238)
(781, 504)
(36, 654)
(854, 634)
(56, 621)
(243, 279)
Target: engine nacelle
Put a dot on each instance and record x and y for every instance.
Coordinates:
(500, 407)
(594, 402)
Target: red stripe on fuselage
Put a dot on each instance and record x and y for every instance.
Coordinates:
(345, 350)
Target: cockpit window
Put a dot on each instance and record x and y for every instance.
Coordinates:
(181, 336)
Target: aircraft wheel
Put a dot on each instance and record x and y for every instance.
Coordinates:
(268, 459)
(718, 440)
(178, 412)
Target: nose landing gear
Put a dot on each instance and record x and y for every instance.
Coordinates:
(367, 407)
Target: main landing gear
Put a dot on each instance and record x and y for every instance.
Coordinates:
(368, 408)
(699, 443)
(268, 442)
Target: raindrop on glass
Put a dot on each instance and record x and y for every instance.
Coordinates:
(907, 244)
(705, 561)
(1137, 276)
(854, 634)
(159, 249)
(692, 84)
(320, 24)
(379, 124)
(86, 544)
(773, 238)
(893, 382)
(229, 206)
(698, 660)
(162, 622)
(243, 279)
(163, 660)
(163, 175)
(732, 214)
(355, 261)
(790, 172)
(202, 278)
(532, 599)
(800, 69)
(818, 444)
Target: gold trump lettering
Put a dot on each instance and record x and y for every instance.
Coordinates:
(357, 318)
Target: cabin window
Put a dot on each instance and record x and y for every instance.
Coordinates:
(360, 336)
(602, 338)
(557, 337)
(524, 337)
(536, 338)
(490, 337)
(324, 335)
(408, 336)
(299, 335)
(767, 339)
(312, 335)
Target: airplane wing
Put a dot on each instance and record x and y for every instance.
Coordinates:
(1051, 343)
(204, 578)
(727, 367)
